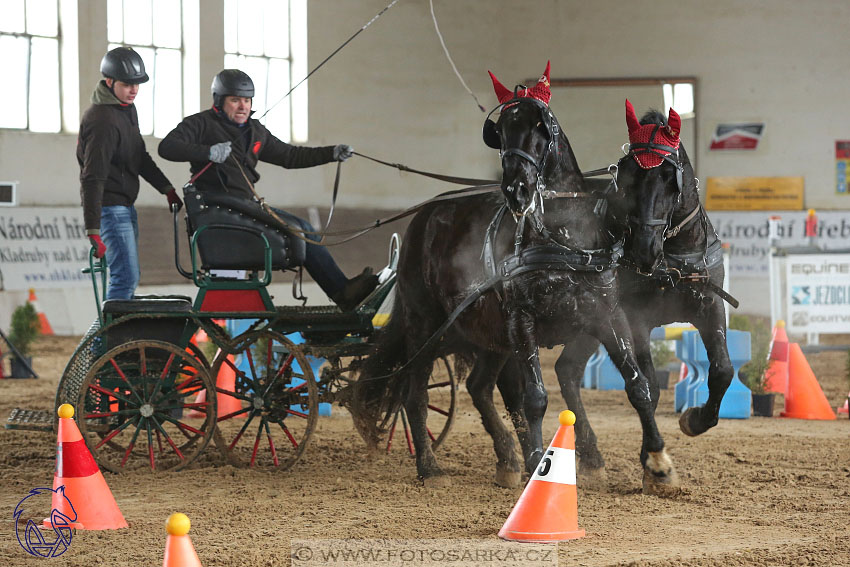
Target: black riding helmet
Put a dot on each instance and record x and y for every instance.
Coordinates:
(232, 82)
(125, 65)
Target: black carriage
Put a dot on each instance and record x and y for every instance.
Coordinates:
(147, 396)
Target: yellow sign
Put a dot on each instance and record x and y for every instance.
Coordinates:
(754, 193)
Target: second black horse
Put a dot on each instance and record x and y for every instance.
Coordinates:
(534, 266)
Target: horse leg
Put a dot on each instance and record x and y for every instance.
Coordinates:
(521, 333)
(643, 354)
(659, 474)
(513, 395)
(570, 368)
(416, 407)
(712, 330)
(480, 385)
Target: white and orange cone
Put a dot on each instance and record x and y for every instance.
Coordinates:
(548, 508)
(179, 551)
(84, 484)
(43, 323)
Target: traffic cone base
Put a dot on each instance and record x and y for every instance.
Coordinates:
(805, 398)
(85, 487)
(547, 511)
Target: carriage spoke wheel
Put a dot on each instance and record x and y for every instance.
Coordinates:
(267, 401)
(139, 407)
(442, 404)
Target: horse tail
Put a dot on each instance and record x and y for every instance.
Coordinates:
(378, 389)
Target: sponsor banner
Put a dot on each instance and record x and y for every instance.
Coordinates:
(746, 232)
(842, 166)
(754, 193)
(743, 136)
(43, 247)
(818, 293)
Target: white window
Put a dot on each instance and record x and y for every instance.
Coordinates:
(679, 97)
(33, 78)
(268, 40)
(154, 29)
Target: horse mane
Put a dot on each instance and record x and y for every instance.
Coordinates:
(653, 116)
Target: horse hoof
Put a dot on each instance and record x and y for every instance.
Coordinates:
(437, 481)
(594, 478)
(508, 479)
(533, 460)
(691, 424)
(659, 475)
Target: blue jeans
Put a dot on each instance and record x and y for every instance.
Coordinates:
(319, 263)
(119, 230)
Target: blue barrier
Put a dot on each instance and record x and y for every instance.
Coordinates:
(237, 326)
(588, 379)
(681, 388)
(736, 402)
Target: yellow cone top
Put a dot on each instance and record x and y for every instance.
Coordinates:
(567, 417)
(811, 212)
(780, 323)
(66, 411)
(178, 524)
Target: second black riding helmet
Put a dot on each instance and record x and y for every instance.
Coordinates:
(125, 65)
(231, 82)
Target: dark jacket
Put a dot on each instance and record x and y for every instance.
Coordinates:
(191, 140)
(112, 155)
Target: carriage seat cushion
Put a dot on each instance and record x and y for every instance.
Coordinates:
(148, 304)
(234, 242)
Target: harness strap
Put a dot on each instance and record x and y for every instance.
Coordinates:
(448, 178)
(670, 233)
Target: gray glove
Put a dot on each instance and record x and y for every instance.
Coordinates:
(219, 152)
(342, 152)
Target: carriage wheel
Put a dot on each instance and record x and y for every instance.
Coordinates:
(267, 399)
(139, 411)
(442, 404)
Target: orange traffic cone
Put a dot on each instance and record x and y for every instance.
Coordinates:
(548, 508)
(804, 399)
(85, 486)
(777, 366)
(226, 380)
(179, 551)
(46, 329)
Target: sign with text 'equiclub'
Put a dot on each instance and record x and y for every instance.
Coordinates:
(818, 293)
(43, 247)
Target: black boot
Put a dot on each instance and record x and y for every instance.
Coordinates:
(356, 290)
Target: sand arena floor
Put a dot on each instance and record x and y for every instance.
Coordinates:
(761, 491)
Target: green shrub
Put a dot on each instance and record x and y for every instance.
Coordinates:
(661, 354)
(25, 328)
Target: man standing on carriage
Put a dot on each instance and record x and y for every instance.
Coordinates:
(112, 156)
(226, 138)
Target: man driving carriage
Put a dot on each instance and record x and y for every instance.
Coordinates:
(223, 145)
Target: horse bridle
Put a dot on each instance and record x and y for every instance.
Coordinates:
(671, 156)
(553, 129)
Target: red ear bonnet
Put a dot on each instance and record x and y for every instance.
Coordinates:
(642, 134)
(540, 91)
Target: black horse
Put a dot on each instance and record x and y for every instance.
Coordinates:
(545, 278)
(672, 271)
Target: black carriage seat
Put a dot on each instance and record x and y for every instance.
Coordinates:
(233, 241)
(148, 304)
(166, 328)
